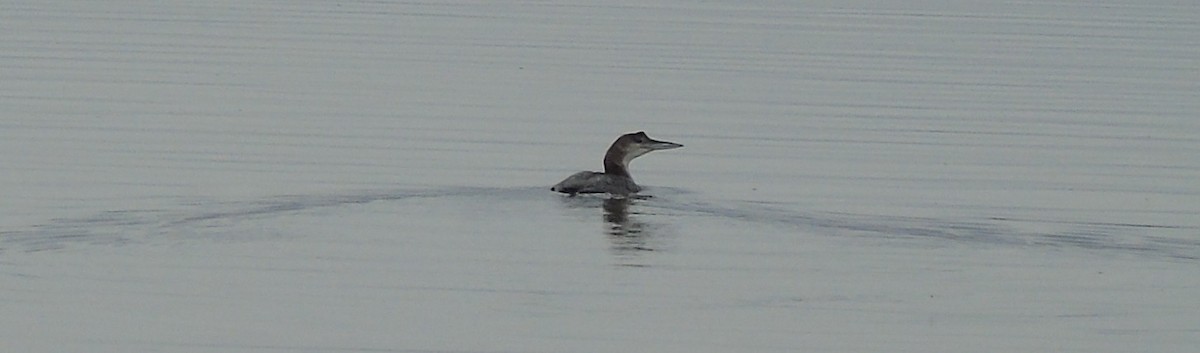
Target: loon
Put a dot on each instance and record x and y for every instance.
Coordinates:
(615, 179)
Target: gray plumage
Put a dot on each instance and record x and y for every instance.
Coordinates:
(595, 182)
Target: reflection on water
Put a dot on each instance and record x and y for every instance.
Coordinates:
(628, 235)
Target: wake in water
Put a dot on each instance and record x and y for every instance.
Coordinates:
(125, 226)
(122, 226)
(1157, 240)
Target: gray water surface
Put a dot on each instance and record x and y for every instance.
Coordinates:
(357, 176)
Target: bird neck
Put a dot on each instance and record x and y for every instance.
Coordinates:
(614, 162)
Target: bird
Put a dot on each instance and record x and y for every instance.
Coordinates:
(615, 179)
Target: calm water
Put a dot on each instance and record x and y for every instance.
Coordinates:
(373, 176)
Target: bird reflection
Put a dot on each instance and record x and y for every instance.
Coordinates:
(628, 236)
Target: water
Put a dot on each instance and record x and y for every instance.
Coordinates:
(365, 176)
